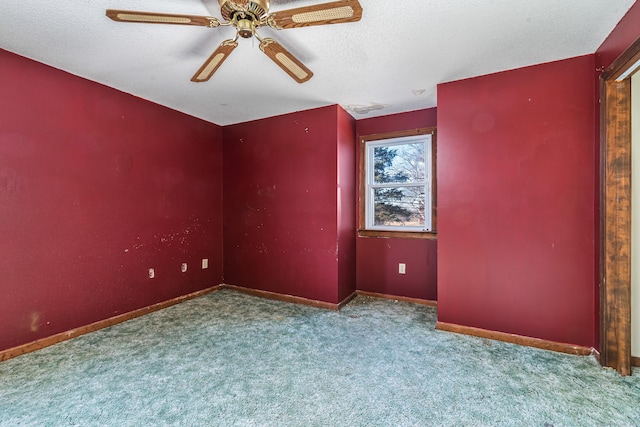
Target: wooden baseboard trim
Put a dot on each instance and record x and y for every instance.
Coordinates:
(347, 300)
(426, 302)
(101, 324)
(635, 361)
(283, 297)
(516, 339)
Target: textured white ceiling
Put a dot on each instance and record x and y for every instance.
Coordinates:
(389, 62)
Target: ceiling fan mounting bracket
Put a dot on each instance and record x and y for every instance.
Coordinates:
(255, 8)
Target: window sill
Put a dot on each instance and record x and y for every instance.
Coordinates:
(425, 235)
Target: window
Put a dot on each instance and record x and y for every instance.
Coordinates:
(397, 183)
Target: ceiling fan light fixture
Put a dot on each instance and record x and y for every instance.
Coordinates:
(245, 28)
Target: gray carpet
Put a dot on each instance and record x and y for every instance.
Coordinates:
(229, 359)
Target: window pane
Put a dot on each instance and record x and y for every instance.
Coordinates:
(399, 163)
(400, 206)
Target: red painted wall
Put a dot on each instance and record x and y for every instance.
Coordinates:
(97, 186)
(516, 201)
(284, 228)
(377, 259)
(346, 208)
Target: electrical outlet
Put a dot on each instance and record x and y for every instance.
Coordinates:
(402, 269)
(152, 273)
(205, 263)
(183, 267)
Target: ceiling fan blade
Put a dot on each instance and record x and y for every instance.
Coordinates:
(216, 59)
(285, 60)
(335, 12)
(162, 18)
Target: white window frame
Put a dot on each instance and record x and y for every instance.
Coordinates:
(371, 186)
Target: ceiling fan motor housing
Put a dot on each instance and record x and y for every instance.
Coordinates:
(255, 9)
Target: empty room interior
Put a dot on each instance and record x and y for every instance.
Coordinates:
(353, 213)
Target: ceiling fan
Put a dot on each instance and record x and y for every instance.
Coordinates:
(247, 16)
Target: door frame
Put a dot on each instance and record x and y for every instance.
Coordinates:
(615, 212)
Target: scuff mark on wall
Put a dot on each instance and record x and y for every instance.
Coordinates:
(35, 321)
(167, 240)
(8, 183)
